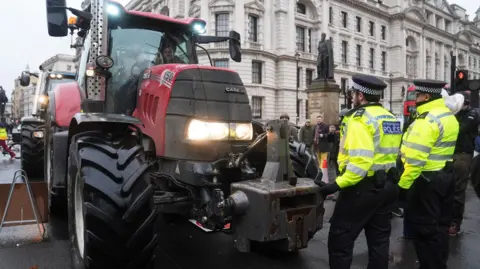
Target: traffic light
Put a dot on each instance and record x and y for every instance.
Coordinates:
(461, 80)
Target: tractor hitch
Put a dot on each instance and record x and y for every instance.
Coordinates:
(278, 208)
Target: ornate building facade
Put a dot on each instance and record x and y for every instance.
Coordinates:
(395, 40)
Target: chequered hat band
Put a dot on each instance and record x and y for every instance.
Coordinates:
(428, 89)
(366, 90)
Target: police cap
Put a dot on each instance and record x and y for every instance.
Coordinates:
(368, 84)
(429, 86)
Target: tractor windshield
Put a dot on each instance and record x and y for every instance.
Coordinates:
(52, 83)
(135, 45)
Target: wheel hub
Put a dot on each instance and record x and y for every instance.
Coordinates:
(79, 217)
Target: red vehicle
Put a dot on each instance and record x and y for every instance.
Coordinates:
(147, 131)
(409, 106)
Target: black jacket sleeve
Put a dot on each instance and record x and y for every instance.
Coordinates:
(470, 122)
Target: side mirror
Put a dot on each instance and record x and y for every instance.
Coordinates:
(234, 46)
(57, 18)
(24, 79)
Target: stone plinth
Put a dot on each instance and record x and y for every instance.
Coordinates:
(323, 99)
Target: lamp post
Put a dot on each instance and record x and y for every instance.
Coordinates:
(297, 57)
(391, 90)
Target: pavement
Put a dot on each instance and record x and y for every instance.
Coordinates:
(19, 246)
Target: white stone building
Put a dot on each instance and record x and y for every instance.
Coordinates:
(396, 40)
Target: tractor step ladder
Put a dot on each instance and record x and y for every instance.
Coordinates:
(20, 174)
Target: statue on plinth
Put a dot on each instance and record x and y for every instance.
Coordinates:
(325, 59)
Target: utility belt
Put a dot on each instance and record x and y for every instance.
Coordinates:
(378, 181)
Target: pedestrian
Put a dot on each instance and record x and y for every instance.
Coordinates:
(4, 138)
(426, 184)
(293, 134)
(468, 119)
(322, 147)
(305, 135)
(334, 139)
(369, 146)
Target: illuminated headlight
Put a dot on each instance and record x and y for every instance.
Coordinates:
(242, 131)
(198, 130)
(42, 99)
(38, 134)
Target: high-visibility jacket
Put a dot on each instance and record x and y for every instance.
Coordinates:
(3, 133)
(429, 142)
(370, 142)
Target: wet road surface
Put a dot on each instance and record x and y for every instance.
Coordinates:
(18, 247)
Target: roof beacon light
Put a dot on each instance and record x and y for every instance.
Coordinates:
(199, 27)
(113, 10)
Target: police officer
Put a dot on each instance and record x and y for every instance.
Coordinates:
(427, 154)
(369, 146)
(468, 120)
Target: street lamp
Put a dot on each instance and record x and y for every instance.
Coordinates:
(297, 57)
(391, 82)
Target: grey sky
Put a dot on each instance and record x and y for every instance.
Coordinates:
(25, 39)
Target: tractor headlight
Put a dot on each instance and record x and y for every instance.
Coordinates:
(198, 130)
(37, 134)
(42, 99)
(243, 131)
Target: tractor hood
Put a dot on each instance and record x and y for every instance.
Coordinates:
(210, 94)
(174, 94)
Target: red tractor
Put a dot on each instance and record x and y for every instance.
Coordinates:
(146, 131)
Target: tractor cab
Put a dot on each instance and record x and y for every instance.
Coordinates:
(48, 80)
(131, 42)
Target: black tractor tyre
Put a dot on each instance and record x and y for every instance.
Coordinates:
(112, 178)
(32, 152)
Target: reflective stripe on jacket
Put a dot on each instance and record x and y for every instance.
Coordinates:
(429, 142)
(370, 142)
(3, 134)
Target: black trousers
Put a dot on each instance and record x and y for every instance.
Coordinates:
(362, 207)
(462, 163)
(430, 206)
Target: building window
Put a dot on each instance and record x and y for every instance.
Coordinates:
(359, 55)
(310, 45)
(256, 72)
(384, 32)
(344, 51)
(330, 15)
(299, 70)
(252, 28)
(344, 19)
(257, 104)
(301, 8)
(308, 76)
(371, 28)
(299, 103)
(300, 38)
(343, 85)
(221, 24)
(372, 58)
(384, 61)
(306, 110)
(359, 24)
(222, 63)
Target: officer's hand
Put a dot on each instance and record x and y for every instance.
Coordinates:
(329, 188)
(320, 183)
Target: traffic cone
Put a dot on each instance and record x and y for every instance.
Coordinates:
(325, 171)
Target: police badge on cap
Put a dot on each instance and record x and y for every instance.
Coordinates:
(429, 86)
(368, 84)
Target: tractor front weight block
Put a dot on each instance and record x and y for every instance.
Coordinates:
(278, 210)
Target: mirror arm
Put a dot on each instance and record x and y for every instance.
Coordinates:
(212, 39)
(31, 74)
